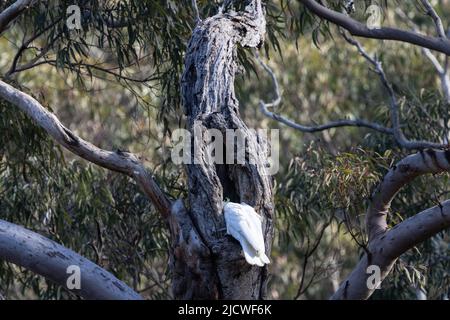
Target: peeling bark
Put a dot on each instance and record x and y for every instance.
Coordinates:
(214, 261)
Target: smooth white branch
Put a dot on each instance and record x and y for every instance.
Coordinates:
(123, 162)
(45, 257)
(359, 29)
(386, 245)
(384, 251)
(421, 163)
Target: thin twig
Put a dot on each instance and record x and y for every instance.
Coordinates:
(442, 70)
(437, 20)
(310, 129)
(196, 11)
(393, 103)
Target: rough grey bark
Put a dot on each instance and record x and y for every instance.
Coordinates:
(206, 262)
(51, 260)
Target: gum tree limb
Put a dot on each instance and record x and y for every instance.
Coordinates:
(359, 29)
(387, 244)
(45, 257)
(119, 161)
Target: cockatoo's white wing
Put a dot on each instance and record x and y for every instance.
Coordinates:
(244, 225)
(250, 254)
(256, 225)
(256, 222)
(240, 223)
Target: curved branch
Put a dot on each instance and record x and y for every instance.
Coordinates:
(12, 12)
(123, 162)
(326, 126)
(310, 129)
(25, 46)
(442, 69)
(361, 30)
(386, 245)
(196, 11)
(393, 108)
(424, 162)
(51, 260)
(436, 19)
(393, 102)
(385, 250)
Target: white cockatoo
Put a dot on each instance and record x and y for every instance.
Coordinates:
(244, 224)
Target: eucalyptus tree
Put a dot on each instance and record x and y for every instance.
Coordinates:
(204, 262)
(189, 52)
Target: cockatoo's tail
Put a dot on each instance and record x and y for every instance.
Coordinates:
(244, 224)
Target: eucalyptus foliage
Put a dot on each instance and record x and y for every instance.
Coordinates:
(325, 181)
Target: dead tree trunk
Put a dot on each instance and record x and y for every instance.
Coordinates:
(206, 263)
